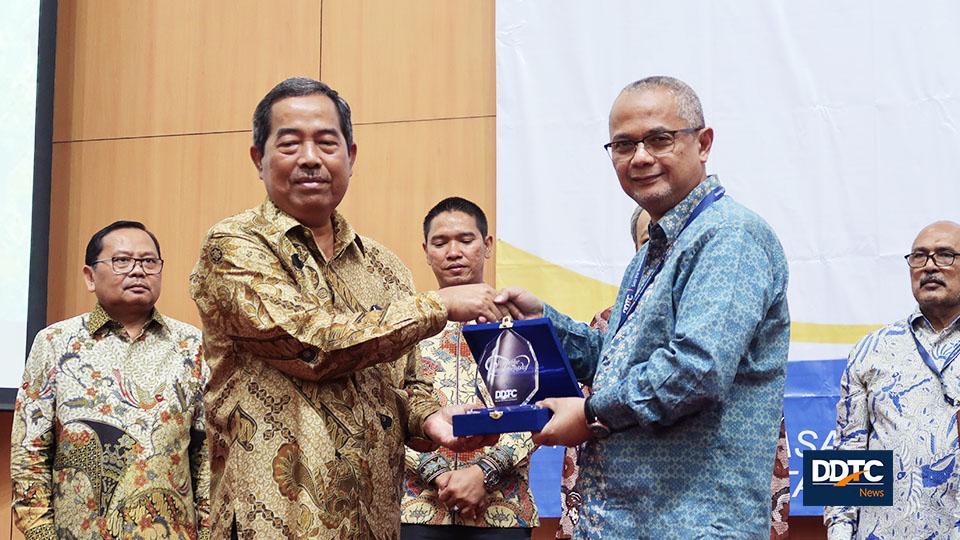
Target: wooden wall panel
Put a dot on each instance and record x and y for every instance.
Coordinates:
(177, 186)
(403, 169)
(152, 67)
(411, 59)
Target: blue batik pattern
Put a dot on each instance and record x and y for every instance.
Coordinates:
(692, 383)
(891, 400)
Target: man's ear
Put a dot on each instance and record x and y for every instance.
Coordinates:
(706, 143)
(257, 159)
(488, 243)
(353, 156)
(88, 279)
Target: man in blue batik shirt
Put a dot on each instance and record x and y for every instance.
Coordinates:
(683, 421)
(899, 392)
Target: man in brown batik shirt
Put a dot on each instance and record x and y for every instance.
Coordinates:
(311, 331)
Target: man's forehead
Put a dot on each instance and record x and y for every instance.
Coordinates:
(295, 109)
(648, 104)
(453, 222)
(128, 240)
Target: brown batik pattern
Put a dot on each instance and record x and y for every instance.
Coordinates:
(314, 382)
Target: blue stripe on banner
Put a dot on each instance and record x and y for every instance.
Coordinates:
(809, 405)
(546, 467)
(810, 409)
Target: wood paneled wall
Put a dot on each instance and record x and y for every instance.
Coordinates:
(153, 105)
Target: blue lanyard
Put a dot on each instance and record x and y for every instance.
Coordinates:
(933, 367)
(636, 290)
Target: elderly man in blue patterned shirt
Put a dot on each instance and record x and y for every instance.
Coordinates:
(688, 381)
(899, 392)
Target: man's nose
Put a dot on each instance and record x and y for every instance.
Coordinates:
(641, 156)
(309, 156)
(454, 250)
(137, 269)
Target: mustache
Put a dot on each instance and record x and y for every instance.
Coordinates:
(933, 278)
(307, 174)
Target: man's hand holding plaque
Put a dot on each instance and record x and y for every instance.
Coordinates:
(567, 426)
(439, 427)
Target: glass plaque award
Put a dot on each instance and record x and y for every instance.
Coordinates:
(509, 370)
(518, 364)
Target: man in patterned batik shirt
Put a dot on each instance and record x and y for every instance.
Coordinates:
(108, 430)
(311, 333)
(899, 392)
(688, 381)
(463, 495)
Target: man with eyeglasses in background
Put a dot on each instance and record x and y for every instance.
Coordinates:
(108, 431)
(688, 381)
(899, 392)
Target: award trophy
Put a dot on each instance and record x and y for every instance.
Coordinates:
(518, 364)
(509, 369)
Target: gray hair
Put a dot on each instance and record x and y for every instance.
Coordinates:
(297, 87)
(688, 104)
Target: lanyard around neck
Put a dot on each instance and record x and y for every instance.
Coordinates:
(928, 360)
(636, 290)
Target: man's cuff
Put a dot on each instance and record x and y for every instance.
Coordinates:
(432, 467)
(436, 312)
(609, 412)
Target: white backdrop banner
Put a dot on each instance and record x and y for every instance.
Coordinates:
(838, 122)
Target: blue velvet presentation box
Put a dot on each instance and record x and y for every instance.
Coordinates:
(519, 350)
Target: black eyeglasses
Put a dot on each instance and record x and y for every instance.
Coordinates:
(125, 265)
(657, 143)
(918, 259)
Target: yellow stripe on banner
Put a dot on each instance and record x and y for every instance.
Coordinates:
(581, 297)
(830, 333)
(578, 296)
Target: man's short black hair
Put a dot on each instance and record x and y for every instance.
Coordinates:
(297, 87)
(95, 245)
(456, 204)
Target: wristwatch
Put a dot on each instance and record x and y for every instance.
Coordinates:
(491, 477)
(597, 428)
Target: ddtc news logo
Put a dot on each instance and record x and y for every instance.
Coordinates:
(848, 477)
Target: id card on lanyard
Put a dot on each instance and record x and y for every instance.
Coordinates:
(636, 289)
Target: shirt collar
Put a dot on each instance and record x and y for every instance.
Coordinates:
(672, 222)
(343, 232)
(918, 315)
(99, 319)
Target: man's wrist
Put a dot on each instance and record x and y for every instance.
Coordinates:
(491, 474)
(597, 427)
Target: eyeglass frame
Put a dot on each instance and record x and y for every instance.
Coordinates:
(136, 260)
(932, 255)
(636, 143)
